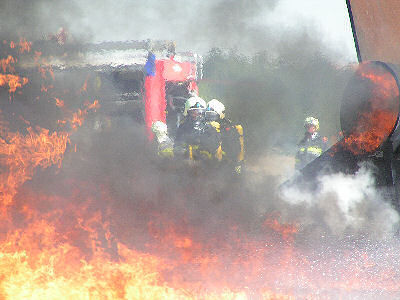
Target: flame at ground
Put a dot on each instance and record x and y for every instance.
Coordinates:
(51, 271)
(7, 65)
(13, 81)
(22, 154)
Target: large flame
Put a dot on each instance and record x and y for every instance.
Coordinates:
(7, 68)
(371, 113)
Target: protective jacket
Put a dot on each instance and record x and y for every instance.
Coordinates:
(231, 149)
(309, 148)
(196, 141)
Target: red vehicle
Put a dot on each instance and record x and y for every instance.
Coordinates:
(169, 82)
(133, 78)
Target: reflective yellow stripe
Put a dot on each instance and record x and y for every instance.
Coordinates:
(216, 125)
(219, 153)
(205, 153)
(239, 129)
(314, 150)
(190, 152)
(167, 152)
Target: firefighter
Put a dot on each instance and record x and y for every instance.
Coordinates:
(176, 95)
(164, 143)
(232, 139)
(312, 145)
(195, 138)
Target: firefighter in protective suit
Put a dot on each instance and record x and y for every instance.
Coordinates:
(164, 143)
(312, 145)
(196, 140)
(231, 149)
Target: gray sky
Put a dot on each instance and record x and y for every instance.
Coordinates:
(329, 17)
(202, 24)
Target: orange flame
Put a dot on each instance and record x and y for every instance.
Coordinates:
(287, 230)
(368, 136)
(379, 113)
(44, 69)
(59, 103)
(24, 46)
(13, 81)
(46, 89)
(6, 64)
(22, 154)
(84, 87)
(78, 117)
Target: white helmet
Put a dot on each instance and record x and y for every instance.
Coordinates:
(311, 121)
(217, 106)
(194, 102)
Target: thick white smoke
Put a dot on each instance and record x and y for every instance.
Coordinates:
(344, 205)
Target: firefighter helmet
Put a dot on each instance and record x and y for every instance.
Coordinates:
(311, 121)
(194, 103)
(217, 107)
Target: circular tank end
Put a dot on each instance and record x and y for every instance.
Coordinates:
(370, 108)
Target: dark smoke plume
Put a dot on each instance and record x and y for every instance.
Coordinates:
(271, 94)
(37, 19)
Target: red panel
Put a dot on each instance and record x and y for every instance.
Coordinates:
(179, 71)
(155, 103)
